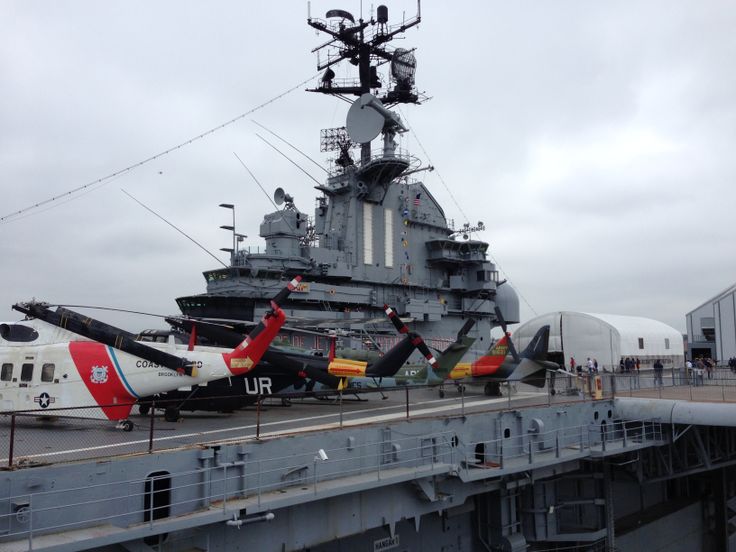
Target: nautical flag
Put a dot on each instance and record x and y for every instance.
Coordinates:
(416, 200)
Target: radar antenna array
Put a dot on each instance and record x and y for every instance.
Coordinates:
(337, 139)
(364, 44)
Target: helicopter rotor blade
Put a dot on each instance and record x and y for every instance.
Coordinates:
(502, 321)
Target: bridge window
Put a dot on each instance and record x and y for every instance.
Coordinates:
(26, 372)
(7, 372)
(47, 373)
(483, 275)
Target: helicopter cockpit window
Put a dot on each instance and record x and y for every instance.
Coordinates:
(17, 332)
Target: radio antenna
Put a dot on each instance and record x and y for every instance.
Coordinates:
(203, 248)
(262, 188)
(292, 146)
(289, 159)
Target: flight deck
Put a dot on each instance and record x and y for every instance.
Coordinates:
(322, 472)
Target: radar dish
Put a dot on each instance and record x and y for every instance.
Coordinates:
(340, 13)
(403, 66)
(279, 196)
(364, 121)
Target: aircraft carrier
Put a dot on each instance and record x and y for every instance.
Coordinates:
(608, 463)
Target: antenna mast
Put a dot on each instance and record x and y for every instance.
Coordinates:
(364, 44)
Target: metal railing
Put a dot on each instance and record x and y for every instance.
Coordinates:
(519, 452)
(230, 481)
(678, 383)
(43, 436)
(226, 484)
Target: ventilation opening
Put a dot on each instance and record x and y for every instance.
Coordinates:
(156, 502)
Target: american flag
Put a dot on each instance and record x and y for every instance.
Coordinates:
(416, 200)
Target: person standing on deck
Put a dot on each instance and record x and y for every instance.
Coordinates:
(658, 367)
(699, 368)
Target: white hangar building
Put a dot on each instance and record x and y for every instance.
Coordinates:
(605, 337)
(711, 327)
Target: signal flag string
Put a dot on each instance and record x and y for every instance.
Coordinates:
(105, 179)
(462, 212)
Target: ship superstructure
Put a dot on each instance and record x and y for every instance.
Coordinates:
(378, 236)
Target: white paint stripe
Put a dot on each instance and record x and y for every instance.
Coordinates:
(332, 425)
(393, 416)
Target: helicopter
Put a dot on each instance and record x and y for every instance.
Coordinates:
(63, 363)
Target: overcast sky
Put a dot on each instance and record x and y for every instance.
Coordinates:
(595, 140)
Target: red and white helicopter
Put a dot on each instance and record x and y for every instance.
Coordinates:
(63, 360)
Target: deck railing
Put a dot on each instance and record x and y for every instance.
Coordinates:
(231, 482)
(43, 436)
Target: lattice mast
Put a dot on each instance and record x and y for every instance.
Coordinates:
(363, 44)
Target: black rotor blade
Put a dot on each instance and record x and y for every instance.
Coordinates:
(104, 333)
(417, 340)
(314, 369)
(469, 323)
(216, 333)
(395, 320)
(422, 346)
(509, 341)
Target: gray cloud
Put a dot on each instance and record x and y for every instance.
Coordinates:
(595, 140)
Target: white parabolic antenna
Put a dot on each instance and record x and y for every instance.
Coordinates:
(364, 121)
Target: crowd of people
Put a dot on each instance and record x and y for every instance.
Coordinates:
(627, 365)
(696, 371)
(701, 366)
(591, 366)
